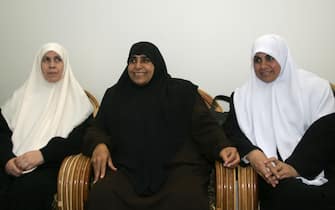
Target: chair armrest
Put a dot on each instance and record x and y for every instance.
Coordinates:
(247, 188)
(225, 187)
(231, 193)
(73, 182)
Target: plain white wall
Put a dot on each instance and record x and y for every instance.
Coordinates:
(205, 41)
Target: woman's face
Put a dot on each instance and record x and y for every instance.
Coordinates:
(52, 66)
(140, 69)
(266, 67)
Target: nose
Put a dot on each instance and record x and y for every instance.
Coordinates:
(263, 64)
(138, 64)
(52, 64)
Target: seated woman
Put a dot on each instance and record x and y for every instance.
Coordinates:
(283, 119)
(153, 140)
(42, 123)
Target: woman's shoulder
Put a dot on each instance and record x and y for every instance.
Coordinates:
(312, 80)
(313, 85)
(110, 90)
(315, 89)
(178, 83)
(182, 91)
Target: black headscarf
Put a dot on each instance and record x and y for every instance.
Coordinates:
(147, 124)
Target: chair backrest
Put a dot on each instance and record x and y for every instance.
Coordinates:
(94, 102)
(208, 99)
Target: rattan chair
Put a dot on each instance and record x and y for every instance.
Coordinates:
(235, 188)
(75, 172)
(73, 176)
(94, 102)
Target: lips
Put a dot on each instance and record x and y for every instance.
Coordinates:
(266, 73)
(139, 73)
(52, 73)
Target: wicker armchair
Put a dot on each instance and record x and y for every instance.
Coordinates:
(75, 172)
(235, 188)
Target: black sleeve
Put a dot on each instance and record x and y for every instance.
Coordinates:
(206, 132)
(6, 145)
(96, 132)
(235, 134)
(58, 148)
(318, 142)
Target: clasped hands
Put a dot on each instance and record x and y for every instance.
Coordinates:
(16, 166)
(271, 169)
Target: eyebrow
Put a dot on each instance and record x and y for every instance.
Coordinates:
(139, 56)
(56, 56)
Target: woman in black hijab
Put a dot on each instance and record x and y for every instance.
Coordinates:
(158, 138)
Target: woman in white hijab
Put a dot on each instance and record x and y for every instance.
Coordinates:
(39, 125)
(283, 118)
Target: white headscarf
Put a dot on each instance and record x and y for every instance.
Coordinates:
(40, 110)
(276, 115)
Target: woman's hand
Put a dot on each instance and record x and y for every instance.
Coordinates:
(100, 159)
(280, 169)
(257, 160)
(12, 169)
(230, 157)
(29, 160)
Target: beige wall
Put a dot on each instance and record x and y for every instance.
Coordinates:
(207, 42)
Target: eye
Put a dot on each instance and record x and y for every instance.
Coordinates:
(46, 60)
(257, 59)
(132, 60)
(269, 58)
(58, 59)
(146, 60)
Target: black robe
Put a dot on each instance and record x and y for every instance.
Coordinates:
(35, 190)
(187, 177)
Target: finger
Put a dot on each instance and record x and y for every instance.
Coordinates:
(271, 162)
(268, 179)
(227, 158)
(111, 165)
(224, 157)
(235, 160)
(96, 169)
(228, 155)
(16, 171)
(271, 176)
(270, 159)
(229, 162)
(283, 173)
(274, 170)
(29, 166)
(19, 164)
(272, 181)
(103, 164)
(274, 166)
(234, 163)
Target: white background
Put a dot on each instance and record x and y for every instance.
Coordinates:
(205, 41)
